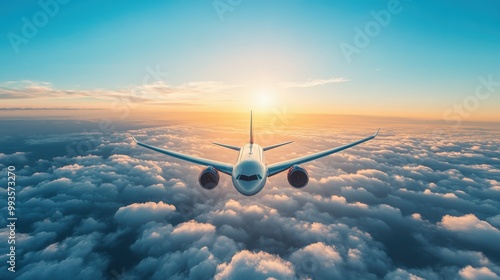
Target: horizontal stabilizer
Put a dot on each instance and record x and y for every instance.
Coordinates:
(276, 146)
(228, 146)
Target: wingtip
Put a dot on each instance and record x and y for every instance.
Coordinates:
(376, 133)
(135, 140)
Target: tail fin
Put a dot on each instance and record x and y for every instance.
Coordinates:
(251, 129)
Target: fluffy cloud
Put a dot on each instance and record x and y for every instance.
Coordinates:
(261, 265)
(141, 213)
(408, 205)
(468, 223)
(482, 273)
(13, 159)
(320, 260)
(472, 230)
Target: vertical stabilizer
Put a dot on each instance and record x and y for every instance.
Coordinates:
(251, 129)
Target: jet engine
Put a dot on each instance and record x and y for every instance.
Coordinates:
(297, 177)
(209, 178)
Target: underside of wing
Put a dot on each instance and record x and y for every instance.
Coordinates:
(221, 166)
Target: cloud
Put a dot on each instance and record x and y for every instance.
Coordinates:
(390, 208)
(468, 223)
(313, 83)
(14, 158)
(193, 228)
(34, 90)
(75, 256)
(320, 260)
(482, 273)
(261, 265)
(157, 92)
(46, 108)
(401, 274)
(469, 228)
(139, 213)
(208, 86)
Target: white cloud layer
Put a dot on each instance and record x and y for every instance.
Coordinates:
(408, 205)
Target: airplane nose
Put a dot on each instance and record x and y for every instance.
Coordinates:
(249, 177)
(249, 188)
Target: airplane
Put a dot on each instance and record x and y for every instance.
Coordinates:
(250, 173)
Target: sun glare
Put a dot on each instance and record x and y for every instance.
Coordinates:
(264, 99)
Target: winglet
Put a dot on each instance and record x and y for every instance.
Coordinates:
(251, 129)
(376, 133)
(135, 140)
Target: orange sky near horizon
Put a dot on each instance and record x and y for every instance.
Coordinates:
(260, 101)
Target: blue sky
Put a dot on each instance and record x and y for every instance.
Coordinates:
(428, 57)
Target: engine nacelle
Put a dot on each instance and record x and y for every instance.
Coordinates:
(209, 178)
(297, 177)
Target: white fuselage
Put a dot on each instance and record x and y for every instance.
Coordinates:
(250, 173)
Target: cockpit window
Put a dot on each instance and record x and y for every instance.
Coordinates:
(249, 178)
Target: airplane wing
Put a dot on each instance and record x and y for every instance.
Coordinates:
(222, 167)
(278, 167)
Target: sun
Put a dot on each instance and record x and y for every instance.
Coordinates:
(264, 98)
